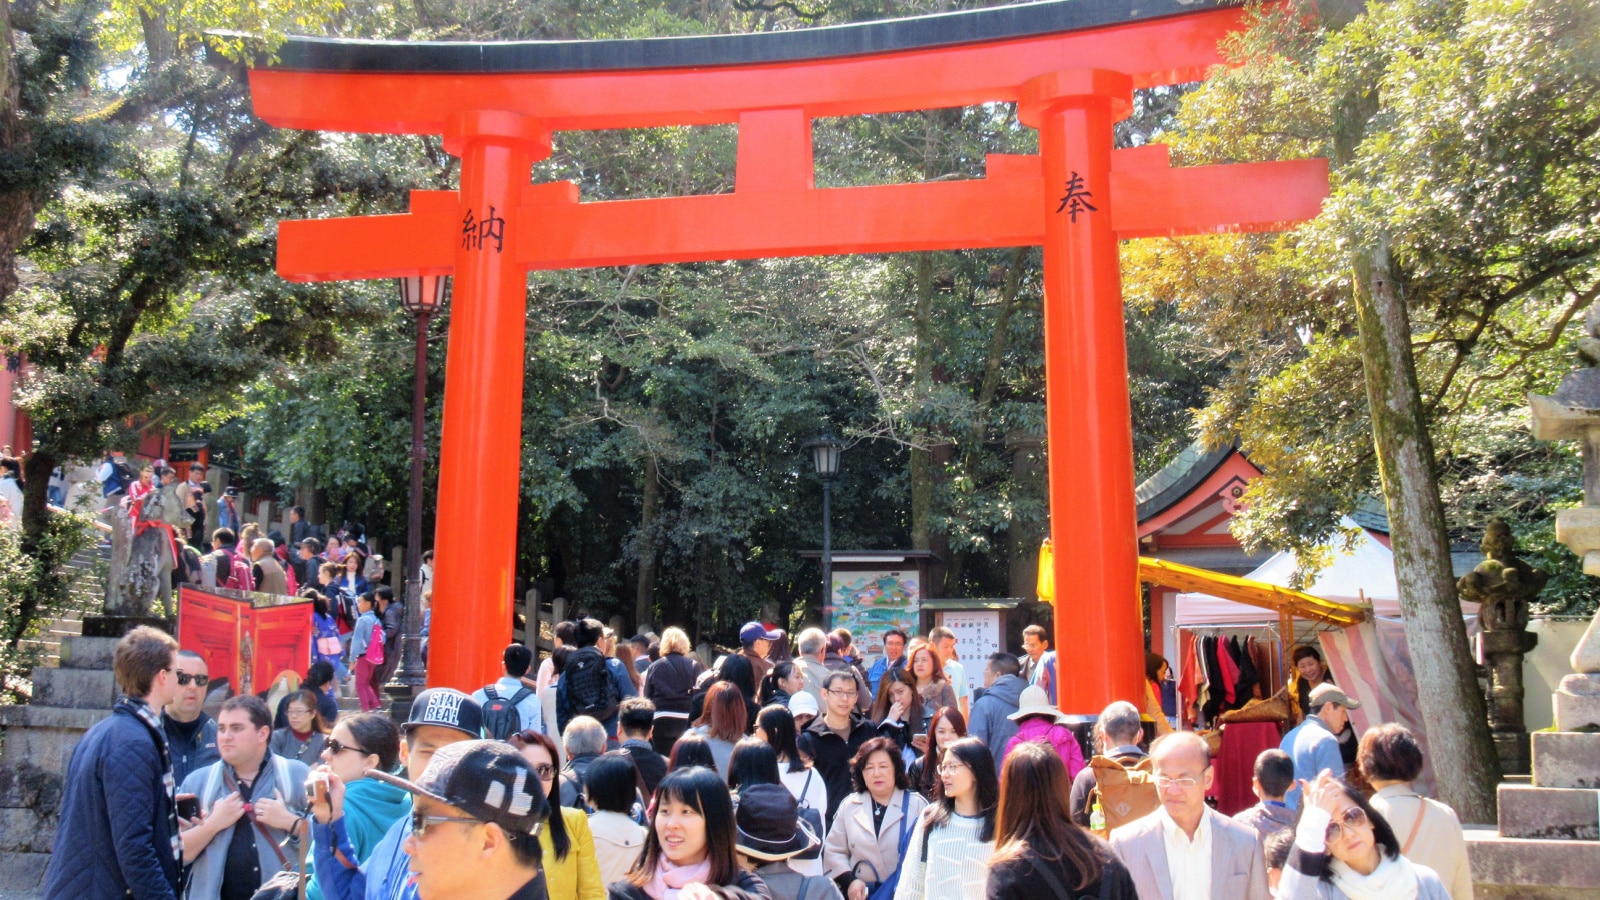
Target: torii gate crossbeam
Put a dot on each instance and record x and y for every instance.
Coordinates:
(1071, 65)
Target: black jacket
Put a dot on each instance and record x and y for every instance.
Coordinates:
(1027, 877)
(831, 755)
(115, 835)
(748, 887)
(669, 682)
(652, 765)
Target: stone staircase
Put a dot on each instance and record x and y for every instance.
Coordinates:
(87, 597)
(39, 738)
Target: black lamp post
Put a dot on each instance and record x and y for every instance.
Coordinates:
(825, 453)
(422, 295)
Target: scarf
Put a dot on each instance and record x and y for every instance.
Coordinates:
(142, 712)
(1393, 879)
(669, 879)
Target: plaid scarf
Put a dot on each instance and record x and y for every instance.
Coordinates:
(142, 711)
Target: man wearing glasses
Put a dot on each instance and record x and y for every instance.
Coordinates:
(474, 824)
(1185, 850)
(440, 718)
(191, 734)
(836, 735)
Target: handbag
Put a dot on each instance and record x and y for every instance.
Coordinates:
(811, 817)
(290, 883)
(375, 648)
(885, 889)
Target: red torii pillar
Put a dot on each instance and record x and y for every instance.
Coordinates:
(1077, 199)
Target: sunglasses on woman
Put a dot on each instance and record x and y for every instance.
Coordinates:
(1350, 818)
(335, 748)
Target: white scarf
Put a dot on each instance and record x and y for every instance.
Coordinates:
(1393, 879)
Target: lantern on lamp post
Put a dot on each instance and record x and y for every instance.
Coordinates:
(422, 296)
(825, 453)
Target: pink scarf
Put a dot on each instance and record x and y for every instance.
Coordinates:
(670, 878)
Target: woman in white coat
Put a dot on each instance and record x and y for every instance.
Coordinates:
(872, 826)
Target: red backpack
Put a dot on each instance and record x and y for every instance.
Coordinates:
(240, 577)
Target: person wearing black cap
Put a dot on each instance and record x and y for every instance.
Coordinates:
(439, 718)
(770, 832)
(474, 825)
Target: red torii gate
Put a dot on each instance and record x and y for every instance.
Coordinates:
(1071, 66)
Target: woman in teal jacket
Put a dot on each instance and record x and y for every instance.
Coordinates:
(358, 743)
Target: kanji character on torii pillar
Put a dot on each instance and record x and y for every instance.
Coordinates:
(1071, 65)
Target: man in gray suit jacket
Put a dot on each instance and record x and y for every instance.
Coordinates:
(1185, 850)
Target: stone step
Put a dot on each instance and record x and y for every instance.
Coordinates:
(1558, 813)
(22, 875)
(85, 653)
(1566, 759)
(44, 735)
(75, 688)
(1527, 868)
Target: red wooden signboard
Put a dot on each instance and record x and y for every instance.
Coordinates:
(246, 644)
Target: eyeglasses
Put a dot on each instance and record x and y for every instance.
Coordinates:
(545, 771)
(949, 768)
(842, 693)
(420, 822)
(185, 679)
(335, 748)
(1162, 782)
(1351, 818)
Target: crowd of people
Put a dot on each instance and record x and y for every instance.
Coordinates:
(634, 770)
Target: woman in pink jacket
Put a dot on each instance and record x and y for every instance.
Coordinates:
(1037, 720)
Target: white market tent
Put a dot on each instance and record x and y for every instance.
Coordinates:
(1362, 574)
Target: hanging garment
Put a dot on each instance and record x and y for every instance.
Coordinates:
(1244, 688)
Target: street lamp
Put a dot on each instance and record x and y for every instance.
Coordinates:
(421, 295)
(825, 453)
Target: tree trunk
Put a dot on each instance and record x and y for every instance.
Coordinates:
(922, 380)
(1459, 744)
(644, 592)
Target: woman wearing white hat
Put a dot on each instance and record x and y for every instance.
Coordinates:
(1037, 720)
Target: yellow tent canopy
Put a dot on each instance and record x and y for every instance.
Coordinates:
(1282, 600)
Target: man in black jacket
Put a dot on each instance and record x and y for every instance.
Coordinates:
(836, 735)
(635, 721)
(191, 734)
(118, 835)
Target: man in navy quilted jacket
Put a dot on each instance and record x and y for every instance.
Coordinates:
(119, 822)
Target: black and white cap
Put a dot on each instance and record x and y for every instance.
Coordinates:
(446, 708)
(488, 780)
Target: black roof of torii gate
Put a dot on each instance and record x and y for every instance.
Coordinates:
(989, 25)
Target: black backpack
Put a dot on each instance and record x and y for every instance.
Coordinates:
(501, 718)
(590, 689)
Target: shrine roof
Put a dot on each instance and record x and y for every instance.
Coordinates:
(1000, 23)
(1176, 479)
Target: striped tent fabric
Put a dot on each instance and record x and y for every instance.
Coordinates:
(1372, 663)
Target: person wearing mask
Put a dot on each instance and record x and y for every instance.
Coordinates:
(777, 727)
(771, 836)
(510, 705)
(1314, 743)
(784, 681)
(948, 857)
(871, 828)
(636, 719)
(118, 831)
(755, 642)
(669, 684)
(585, 740)
(592, 684)
(835, 737)
(724, 722)
(471, 829)
(1344, 849)
(370, 807)
(250, 803)
(1038, 720)
(1274, 773)
(1002, 695)
(690, 846)
(571, 869)
(946, 728)
(305, 734)
(612, 788)
(191, 733)
(1186, 849)
(933, 687)
(894, 656)
(1038, 851)
(1120, 732)
(439, 718)
(897, 711)
(1429, 831)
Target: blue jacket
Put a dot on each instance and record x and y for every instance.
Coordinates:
(384, 875)
(990, 715)
(1313, 748)
(363, 634)
(880, 669)
(625, 689)
(192, 753)
(115, 835)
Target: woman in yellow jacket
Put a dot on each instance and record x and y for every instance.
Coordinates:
(571, 870)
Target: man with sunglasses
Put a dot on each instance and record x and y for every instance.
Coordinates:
(191, 734)
(439, 718)
(474, 824)
(1186, 850)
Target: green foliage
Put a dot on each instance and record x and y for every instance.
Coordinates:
(34, 590)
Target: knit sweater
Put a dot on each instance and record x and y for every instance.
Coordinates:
(956, 866)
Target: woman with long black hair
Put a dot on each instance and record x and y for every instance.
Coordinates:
(1038, 850)
(776, 726)
(948, 857)
(690, 848)
(571, 869)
